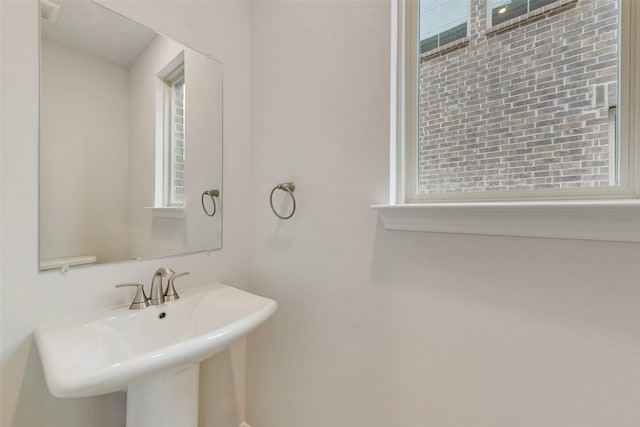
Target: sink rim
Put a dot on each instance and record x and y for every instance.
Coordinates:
(107, 379)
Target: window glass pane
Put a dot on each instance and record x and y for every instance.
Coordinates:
(530, 108)
(536, 4)
(428, 18)
(505, 10)
(452, 13)
(441, 22)
(453, 34)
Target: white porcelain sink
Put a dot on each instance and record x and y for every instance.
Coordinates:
(115, 348)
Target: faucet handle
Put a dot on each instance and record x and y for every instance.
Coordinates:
(140, 300)
(171, 294)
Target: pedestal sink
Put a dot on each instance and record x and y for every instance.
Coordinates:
(154, 353)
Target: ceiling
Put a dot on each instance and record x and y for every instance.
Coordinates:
(94, 30)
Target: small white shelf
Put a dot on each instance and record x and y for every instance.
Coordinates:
(65, 263)
(167, 212)
(614, 220)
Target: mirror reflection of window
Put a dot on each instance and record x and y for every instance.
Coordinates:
(177, 148)
(114, 184)
(173, 106)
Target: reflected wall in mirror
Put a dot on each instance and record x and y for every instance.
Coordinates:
(130, 139)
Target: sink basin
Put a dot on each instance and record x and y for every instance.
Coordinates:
(114, 348)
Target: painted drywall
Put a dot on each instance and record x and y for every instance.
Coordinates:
(29, 298)
(85, 132)
(404, 329)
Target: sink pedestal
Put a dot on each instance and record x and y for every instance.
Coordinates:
(166, 400)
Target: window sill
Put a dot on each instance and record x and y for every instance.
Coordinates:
(439, 51)
(167, 212)
(614, 220)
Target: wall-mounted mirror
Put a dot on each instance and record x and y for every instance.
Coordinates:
(130, 140)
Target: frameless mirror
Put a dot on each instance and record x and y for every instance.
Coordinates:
(130, 140)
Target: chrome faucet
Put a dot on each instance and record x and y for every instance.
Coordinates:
(170, 293)
(156, 294)
(140, 300)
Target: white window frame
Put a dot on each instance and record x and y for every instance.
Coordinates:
(170, 81)
(590, 213)
(171, 73)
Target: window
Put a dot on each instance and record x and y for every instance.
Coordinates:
(170, 156)
(442, 22)
(534, 111)
(501, 134)
(175, 149)
(504, 10)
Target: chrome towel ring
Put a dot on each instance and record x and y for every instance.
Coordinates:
(289, 187)
(213, 193)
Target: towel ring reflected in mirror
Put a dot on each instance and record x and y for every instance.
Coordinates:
(289, 187)
(213, 193)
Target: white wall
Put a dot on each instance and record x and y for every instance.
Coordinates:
(85, 132)
(374, 328)
(400, 329)
(29, 297)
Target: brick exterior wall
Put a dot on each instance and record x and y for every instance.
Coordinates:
(524, 105)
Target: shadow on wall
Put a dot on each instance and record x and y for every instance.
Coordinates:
(281, 204)
(219, 375)
(36, 407)
(562, 280)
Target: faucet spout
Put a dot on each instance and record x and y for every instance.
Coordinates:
(157, 292)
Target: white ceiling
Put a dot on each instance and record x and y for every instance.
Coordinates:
(93, 30)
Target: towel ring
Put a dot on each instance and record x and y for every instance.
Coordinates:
(211, 193)
(289, 187)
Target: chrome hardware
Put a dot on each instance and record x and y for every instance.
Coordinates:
(171, 294)
(156, 294)
(213, 194)
(140, 300)
(289, 187)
